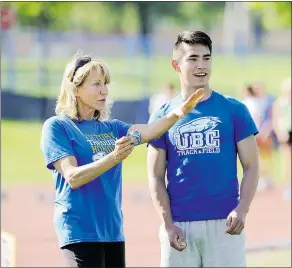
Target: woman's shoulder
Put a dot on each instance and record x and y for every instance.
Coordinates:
(57, 121)
(52, 121)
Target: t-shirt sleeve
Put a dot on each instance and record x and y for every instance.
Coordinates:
(122, 127)
(55, 143)
(244, 125)
(161, 141)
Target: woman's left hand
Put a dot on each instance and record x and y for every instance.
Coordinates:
(189, 104)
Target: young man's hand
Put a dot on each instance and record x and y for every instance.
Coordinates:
(235, 221)
(176, 237)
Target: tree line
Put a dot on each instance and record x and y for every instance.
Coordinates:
(139, 17)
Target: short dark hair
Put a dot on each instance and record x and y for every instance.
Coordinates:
(192, 37)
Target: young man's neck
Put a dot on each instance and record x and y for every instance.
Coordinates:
(187, 91)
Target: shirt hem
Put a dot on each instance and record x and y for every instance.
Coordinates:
(190, 219)
(89, 240)
(50, 162)
(156, 145)
(247, 135)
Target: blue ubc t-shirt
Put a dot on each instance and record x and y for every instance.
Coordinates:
(91, 213)
(202, 157)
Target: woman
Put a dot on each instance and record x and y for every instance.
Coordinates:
(283, 130)
(85, 152)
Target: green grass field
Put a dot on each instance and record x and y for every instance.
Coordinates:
(129, 78)
(22, 160)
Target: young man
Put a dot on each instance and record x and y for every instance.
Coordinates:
(202, 214)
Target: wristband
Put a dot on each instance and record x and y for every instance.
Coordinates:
(137, 135)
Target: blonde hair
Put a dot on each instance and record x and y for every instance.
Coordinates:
(73, 78)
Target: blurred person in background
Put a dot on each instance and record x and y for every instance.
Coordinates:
(203, 215)
(251, 100)
(260, 104)
(157, 100)
(85, 153)
(282, 127)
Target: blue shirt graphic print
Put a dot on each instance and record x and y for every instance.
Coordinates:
(91, 213)
(201, 157)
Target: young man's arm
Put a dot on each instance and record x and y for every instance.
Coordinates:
(248, 155)
(156, 162)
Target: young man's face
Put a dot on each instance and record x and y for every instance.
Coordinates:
(194, 65)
